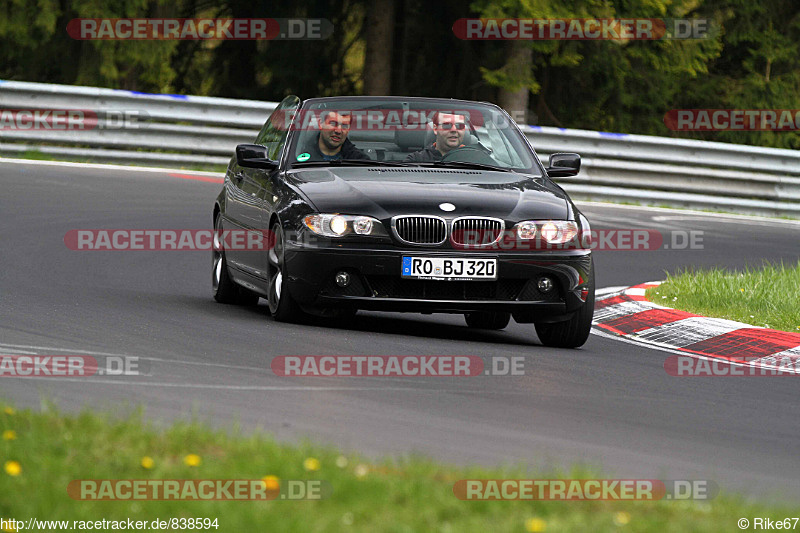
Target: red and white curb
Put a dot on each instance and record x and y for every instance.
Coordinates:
(624, 312)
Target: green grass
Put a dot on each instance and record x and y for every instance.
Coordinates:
(768, 296)
(413, 494)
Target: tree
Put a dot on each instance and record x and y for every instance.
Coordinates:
(379, 42)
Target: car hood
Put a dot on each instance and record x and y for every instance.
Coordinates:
(383, 192)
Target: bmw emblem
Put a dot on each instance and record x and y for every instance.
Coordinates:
(447, 207)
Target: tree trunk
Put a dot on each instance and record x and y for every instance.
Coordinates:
(515, 102)
(380, 39)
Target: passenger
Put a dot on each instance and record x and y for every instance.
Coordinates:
(331, 143)
(449, 129)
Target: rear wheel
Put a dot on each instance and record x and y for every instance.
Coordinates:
(225, 290)
(487, 320)
(281, 304)
(573, 332)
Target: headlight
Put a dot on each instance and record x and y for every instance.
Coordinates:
(336, 225)
(526, 230)
(339, 225)
(551, 231)
(363, 225)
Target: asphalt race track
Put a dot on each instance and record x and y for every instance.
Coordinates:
(609, 404)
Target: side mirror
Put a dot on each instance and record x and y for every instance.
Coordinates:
(254, 156)
(564, 165)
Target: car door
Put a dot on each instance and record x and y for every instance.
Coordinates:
(253, 190)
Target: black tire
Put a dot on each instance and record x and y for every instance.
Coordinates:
(225, 290)
(281, 304)
(487, 320)
(571, 333)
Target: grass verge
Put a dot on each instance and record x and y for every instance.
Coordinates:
(766, 296)
(41, 452)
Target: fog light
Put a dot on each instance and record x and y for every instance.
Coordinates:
(545, 284)
(343, 279)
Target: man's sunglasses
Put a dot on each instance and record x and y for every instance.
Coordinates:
(334, 124)
(457, 125)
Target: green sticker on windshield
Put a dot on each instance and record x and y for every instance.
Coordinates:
(305, 156)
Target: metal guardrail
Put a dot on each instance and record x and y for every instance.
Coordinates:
(616, 167)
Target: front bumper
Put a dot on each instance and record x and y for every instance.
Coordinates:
(377, 285)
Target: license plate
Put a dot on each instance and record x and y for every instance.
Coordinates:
(449, 268)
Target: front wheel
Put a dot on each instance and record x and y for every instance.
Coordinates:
(225, 290)
(281, 304)
(571, 333)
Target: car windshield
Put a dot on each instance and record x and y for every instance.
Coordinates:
(418, 132)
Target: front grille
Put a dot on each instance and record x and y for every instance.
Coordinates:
(396, 287)
(476, 231)
(420, 229)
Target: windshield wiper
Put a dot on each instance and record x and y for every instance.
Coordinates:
(461, 164)
(352, 162)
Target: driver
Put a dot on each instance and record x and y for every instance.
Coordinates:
(331, 143)
(449, 129)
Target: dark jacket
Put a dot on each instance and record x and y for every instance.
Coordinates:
(426, 154)
(348, 151)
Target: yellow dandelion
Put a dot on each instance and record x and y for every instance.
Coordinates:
(741, 290)
(9, 434)
(361, 471)
(147, 462)
(7, 527)
(13, 468)
(311, 464)
(271, 482)
(192, 460)
(9, 411)
(535, 524)
(622, 518)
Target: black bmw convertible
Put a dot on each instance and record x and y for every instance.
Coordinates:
(404, 204)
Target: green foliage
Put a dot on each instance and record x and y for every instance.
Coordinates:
(750, 61)
(759, 67)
